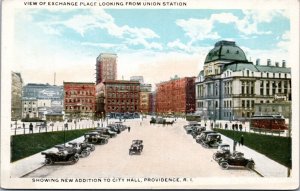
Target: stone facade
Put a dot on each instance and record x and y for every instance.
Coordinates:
(16, 96)
(229, 86)
(49, 99)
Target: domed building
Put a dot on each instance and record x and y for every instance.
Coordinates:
(229, 86)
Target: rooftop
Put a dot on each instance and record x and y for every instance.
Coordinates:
(226, 50)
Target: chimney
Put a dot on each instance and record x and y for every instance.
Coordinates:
(269, 62)
(283, 64)
(257, 62)
(277, 64)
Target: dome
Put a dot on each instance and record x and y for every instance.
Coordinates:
(226, 50)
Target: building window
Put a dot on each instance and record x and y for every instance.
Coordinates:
(261, 87)
(252, 103)
(243, 103)
(243, 86)
(248, 103)
(274, 88)
(216, 104)
(268, 88)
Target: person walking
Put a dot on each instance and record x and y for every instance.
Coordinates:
(128, 129)
(30, 128)
(242, 140)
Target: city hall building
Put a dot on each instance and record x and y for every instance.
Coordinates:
(229, 85)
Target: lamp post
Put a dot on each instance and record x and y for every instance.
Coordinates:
(65, 126)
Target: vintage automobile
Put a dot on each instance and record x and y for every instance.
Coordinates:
(136, 147)
(197, 130)
(106, 131)
(95, 138)
(60, 156)
(222, 152)
(202, 136)
(212, 140)
(82, 148)
(236, 159)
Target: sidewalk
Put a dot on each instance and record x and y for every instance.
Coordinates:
(31, 163)
(264, 165)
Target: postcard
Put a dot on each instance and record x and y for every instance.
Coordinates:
(181, 94)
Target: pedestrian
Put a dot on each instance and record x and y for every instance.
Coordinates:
(234, 145)
(128, 129)
(30, 128)
(242, 140)
(66, 126)
(98, 124)
(140, 123)
(23, 125)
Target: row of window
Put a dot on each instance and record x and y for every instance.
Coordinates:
(122, 101)
(122, 87)
(122, 108)
(77, 100)
(82, 108)
(75, 92)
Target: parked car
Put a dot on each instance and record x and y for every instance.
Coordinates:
(106, 131)
(236, 160)
(60, 156)
(212, 140)
(82, 149)
(203, 135)
(95, 138)
(222, 152)
(136, 147)
(197, 130)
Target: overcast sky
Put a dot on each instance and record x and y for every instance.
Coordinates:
(154, 43)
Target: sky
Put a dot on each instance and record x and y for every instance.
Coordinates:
(155, 43)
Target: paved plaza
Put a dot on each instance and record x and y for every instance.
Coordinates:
(168, 152)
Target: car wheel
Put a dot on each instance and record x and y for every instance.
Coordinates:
(215, 156)
(84, 153)
(224, 165)
(92, 147)
(48, 161)
(250, 165)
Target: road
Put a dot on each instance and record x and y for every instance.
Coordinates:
(168, 152)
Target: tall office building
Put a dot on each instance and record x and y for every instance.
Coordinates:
(106, 67)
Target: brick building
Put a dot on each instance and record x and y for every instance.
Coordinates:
(118, 96)
(152, 102)
(176, 96)
(145, 90)
(79, 99)
(106, 67)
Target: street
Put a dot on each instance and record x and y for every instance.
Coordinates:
(168, 152)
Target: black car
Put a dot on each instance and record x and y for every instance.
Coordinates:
(236, 160)
(136, 147)
(95, 138)
(203, 135)
(106, 131)
(61, 156)
(212, 140)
